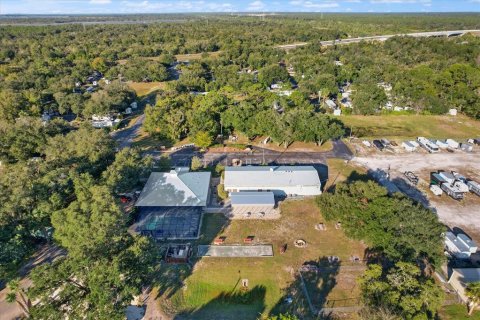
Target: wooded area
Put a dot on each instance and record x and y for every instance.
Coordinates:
(404, 241)
(60, 180)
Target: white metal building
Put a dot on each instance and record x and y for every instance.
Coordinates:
(281, 180)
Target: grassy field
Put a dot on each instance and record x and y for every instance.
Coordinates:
(211, 289)
(179, 57)
(458, 312)
(411, 126)
(144, 88)
(196, 56)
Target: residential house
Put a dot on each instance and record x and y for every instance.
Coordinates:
(171, 204)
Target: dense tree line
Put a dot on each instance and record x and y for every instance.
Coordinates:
(201, 118)
(33, 189)
(39, 65)
(427, 75)
(402, 236)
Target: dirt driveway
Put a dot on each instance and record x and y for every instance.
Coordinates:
(464, 214)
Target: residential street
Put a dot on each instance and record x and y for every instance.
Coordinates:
(126, 136)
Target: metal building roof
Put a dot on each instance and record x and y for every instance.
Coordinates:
(459, 245)
(275, 176)
(252, 198)
(175, 188)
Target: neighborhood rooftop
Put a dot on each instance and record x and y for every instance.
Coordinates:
(280, 176)
(175, 188)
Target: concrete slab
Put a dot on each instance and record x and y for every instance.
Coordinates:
(239, 251)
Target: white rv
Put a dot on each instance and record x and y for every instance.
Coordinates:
(453, 144)
(427, 144)
(456, 247)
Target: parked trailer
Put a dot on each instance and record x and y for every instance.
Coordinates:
(467, 147)
(453, 144)
(474, 187)
(441, 144)
(428, 145)
(407, 145)
(447, 182)
(436, 190)
(452, 190)
(411, 177)
(472, 246)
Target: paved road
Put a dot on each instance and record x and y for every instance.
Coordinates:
(260, 156)
(126, 136)
(450, 33)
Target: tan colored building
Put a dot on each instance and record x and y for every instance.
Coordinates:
(252, 204)
(461, 277)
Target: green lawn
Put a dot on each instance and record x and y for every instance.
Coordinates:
(145, 88)
(458, 312)
(411, 126)
(213, 290)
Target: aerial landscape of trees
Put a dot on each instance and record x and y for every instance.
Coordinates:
(60, 180)
(403, 237)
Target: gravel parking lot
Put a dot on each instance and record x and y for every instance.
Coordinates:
(464, 214)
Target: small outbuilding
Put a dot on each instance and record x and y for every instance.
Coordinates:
(461, 277)
(252, 204)
(452, 112)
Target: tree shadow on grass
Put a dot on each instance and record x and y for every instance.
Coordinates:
(306, 296)
(238, 304)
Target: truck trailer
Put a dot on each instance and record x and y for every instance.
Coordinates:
(454, 188)
(428, 145)
(474, 187)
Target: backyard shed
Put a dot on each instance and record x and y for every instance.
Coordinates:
(461, 277)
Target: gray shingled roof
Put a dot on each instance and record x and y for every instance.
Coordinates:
(175, 189)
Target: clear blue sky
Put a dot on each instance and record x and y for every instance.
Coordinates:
(169, 6)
